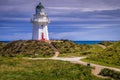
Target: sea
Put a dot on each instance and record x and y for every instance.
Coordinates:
(87, 42)
(78, 42)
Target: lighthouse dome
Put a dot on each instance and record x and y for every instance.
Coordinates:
(39, 8)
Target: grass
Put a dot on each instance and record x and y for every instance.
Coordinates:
(68, 48)
(70, 54)
(33, 48)
(109, 56)
(107, 43)
(100, 63)
(27, 48)
(93, 49)
(2, 45)
(22, 69)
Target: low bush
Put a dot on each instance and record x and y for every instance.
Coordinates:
(28, 48)
(107, 43)
(66, 46)
(110, 73)
(2, 45)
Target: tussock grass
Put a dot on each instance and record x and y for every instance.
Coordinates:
(33, 48)
(68, 48)
(110, 55)
(28, 48)
(107, 43)
(19, 69)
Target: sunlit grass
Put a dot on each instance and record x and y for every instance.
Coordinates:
(23, 69)
(100, 63)
(109, 56)
(95, 48)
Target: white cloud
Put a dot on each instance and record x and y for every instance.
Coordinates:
(64, 19)
(95, 34)
(82, 5)
(89, 26)
(83, 9)
(74, 19)
(16, 36)
(16, 19)
(64, 8)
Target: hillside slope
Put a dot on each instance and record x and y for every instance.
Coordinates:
(23, 69)
(107, 43)
(2, 45)
(27, 48)
(67, 47)
(33, 48)
(110, 55)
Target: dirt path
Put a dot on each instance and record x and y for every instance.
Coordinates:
(102, 46)
(77, 60)
(56, 54)
(55, 50)
(97, 68)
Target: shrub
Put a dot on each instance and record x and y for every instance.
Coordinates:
(107, 43)
(67, 46)
(110, 73)
(2, 45)
(27, 48)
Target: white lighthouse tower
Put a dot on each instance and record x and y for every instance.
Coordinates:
(40, 22)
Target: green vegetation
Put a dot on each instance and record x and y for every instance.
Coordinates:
(110, 73)
(94, 48)
(33, 48)
(27, 48)
(2, 45)
(87, 50)
(12, 68)
(69, 48)
(100, 63)
(22, 69)
(110, 55)
(107, 43)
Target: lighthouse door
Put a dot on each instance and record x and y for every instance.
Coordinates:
(42, 34)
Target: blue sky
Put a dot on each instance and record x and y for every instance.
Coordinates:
(70, 19)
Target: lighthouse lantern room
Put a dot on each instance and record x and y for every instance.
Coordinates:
(40, 24)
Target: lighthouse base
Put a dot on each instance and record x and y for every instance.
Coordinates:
(40, 33)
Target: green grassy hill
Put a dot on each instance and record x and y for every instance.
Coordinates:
(2, 45)
(32, 48)
(27, 48)
(69, 48)
(107, 43)
(110, 55)
(23, 69)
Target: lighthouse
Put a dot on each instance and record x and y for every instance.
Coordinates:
(40, 24)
